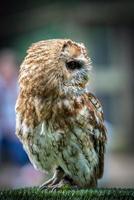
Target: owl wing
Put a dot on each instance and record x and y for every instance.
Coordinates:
(99, 135)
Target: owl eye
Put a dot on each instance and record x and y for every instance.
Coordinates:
(72, 65)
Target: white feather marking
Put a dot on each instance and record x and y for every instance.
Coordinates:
(66, 103)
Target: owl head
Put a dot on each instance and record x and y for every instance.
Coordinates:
(55, 67)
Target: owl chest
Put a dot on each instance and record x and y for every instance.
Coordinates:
(43, 147)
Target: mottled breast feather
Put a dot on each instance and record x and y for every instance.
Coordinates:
(99, 130)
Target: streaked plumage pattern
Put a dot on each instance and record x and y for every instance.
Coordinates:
(58, 121)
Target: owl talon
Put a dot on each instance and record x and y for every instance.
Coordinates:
(60, 186)
(58, 175)
(65, 184)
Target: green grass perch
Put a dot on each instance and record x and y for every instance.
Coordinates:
(91, 194)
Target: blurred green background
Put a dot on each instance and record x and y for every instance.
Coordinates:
(106, 28)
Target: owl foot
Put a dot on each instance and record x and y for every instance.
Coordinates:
(58, 175)
(65, 184)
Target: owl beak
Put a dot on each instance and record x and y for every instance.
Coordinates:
(82, 85)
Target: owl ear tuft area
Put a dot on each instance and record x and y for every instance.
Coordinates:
(65, 45)
(64, 50)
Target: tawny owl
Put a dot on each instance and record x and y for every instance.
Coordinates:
(58, 121)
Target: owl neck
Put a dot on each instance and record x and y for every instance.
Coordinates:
(51, 108)
(72, 91)
(65, 105)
